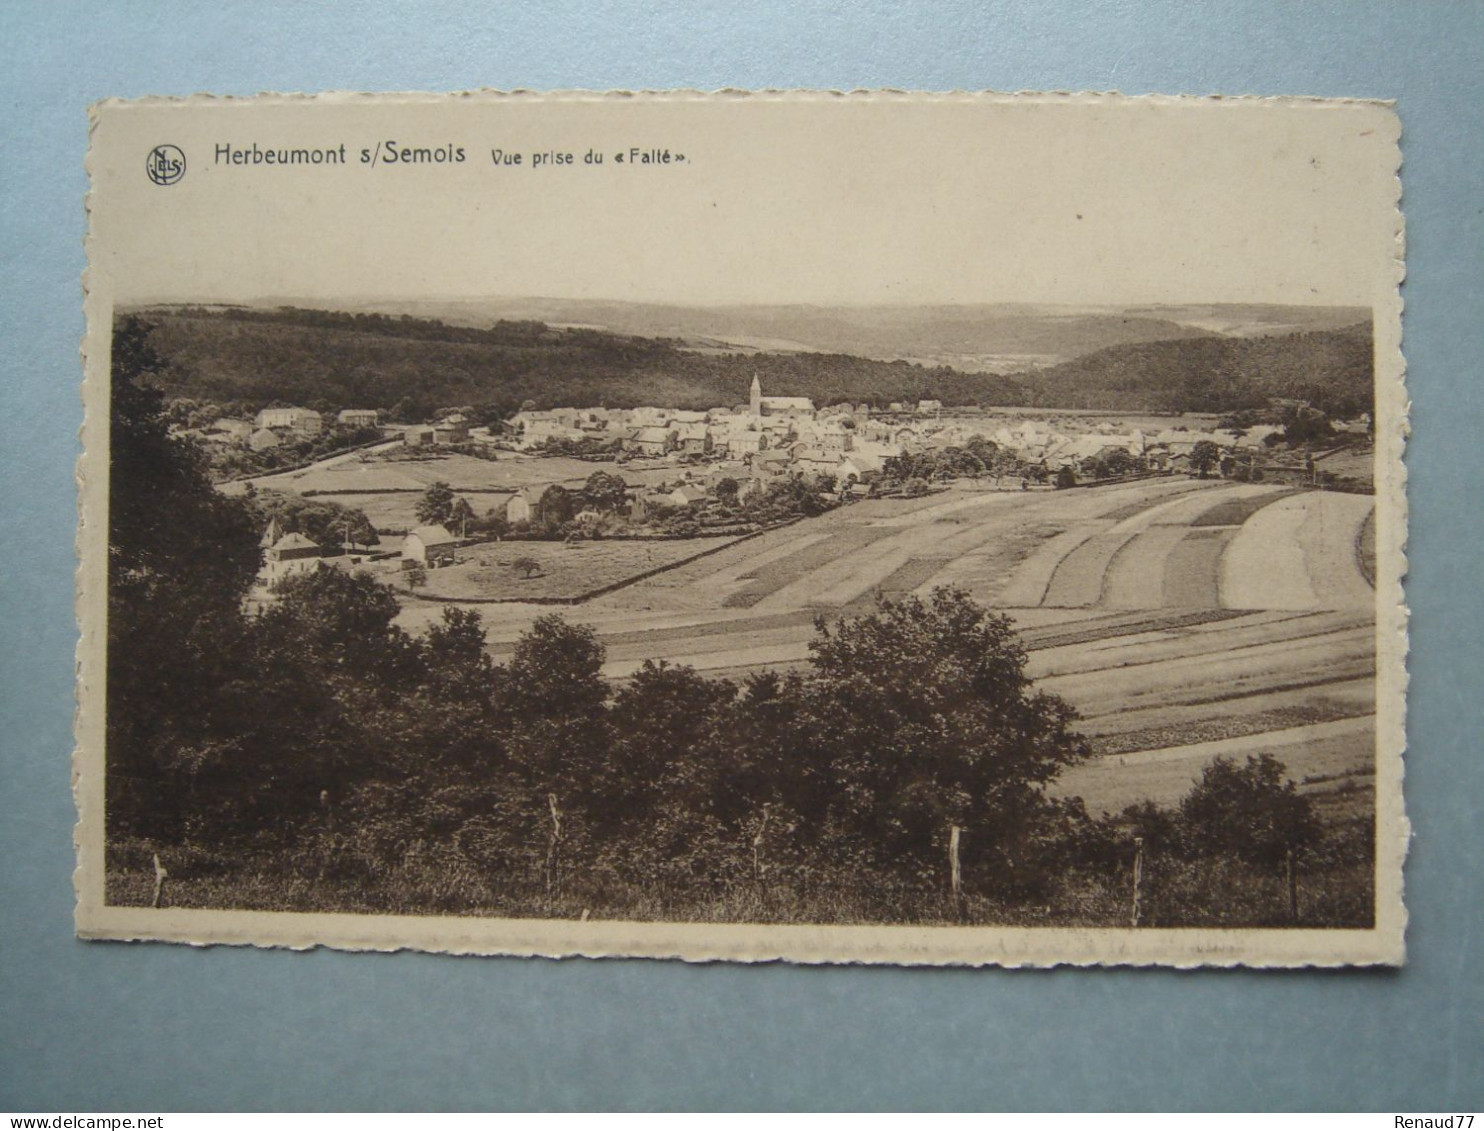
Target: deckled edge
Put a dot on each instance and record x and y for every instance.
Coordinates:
(102, 923)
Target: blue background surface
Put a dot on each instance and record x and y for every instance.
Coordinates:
(120, 1027)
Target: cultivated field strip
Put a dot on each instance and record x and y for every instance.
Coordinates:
(1325, 752)
(1160, 645)
(1182, 618)
(1242, 714)
(1193, 569)
(1301, 552)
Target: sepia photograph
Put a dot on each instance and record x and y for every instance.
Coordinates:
(875, 528)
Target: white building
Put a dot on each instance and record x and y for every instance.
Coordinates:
(429, 546)
(302, 420)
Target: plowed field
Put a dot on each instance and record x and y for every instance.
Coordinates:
(1184, 619)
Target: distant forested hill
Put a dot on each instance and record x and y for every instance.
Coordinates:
(1331, 369)
(411, 367)
(416, 366)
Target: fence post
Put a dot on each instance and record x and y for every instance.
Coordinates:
(553, 849)
(955, 874)
(160, 876)
(1290, 866)
(1136, 912)
(757, 845)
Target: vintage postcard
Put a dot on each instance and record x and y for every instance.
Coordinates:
(873, 527)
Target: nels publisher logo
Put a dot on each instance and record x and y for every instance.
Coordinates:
(165, 164)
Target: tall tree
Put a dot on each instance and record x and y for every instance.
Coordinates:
(181, 558)
(436, 505)
(605, 491)
(1203, 457)
(929, 721)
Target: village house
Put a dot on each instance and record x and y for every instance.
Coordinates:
(638, 508)
(693, 438)
(740, 445)
(929, 408)
(815, 461)
(451, 430)
(522, 507)
(358, 417)
(834, 438)
(419, 436)
(238, 431)
(652, 441)
(290, 555)
(304, 421)
(429, 546)
(774, 461)
(543, 431)
(688, 495)
(263, 439)
(719, 471)
(857, 467)
(779, 430)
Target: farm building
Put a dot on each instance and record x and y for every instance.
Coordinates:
(741, 444)
(693, 438)
(234, 429)
(833, 438)
(429, 546)
(815, 461)
(292, 554)
(858, 466)
(305, 421)
(263, 439)
(357, 417)
(772, 462)
(687, 496)
(419, 436)
(451, 430)
(522, 507)
(650, 441)
(637, 508)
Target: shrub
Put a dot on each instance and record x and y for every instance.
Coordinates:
(1253, 812)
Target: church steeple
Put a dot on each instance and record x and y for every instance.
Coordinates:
(757, 396)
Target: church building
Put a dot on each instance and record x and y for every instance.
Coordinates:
(778, 406)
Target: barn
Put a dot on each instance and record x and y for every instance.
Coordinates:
(430, 546)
